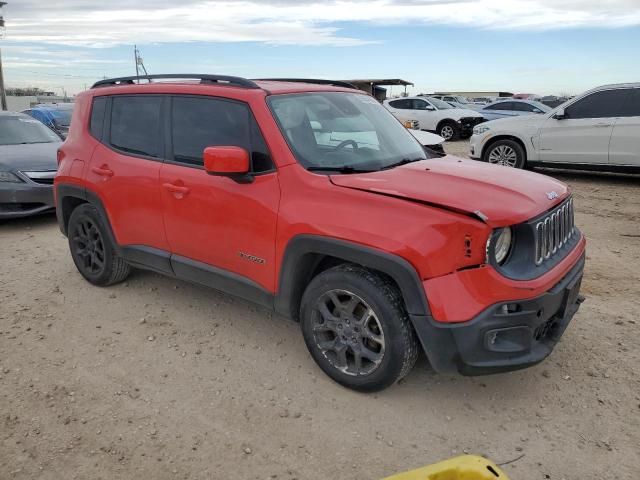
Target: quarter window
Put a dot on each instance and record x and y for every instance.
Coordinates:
(199, 122)
(135, 125)
(97, 116)
(606, 104)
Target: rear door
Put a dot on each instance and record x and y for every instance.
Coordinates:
(625, 139)
(584, 134)
(125, 167)
(213, 222)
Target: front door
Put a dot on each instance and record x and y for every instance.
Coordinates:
(212, 222)
(625, 139)
(584, 134)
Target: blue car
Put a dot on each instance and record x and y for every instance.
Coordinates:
(512, 108)
(55, 116)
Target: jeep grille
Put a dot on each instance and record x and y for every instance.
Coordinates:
(553, 231)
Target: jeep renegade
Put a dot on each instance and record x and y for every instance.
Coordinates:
(311, 199)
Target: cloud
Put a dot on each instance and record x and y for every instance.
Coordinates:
(288, 22)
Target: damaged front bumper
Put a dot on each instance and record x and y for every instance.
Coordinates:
(507, 336)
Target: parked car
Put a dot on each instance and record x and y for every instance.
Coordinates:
(456, 101)
(598, 130)
(373, 246)
(435, 116)
(512, 108)
(433, 142)
(27, 166)
(56, 116)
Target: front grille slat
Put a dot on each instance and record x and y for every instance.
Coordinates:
(553, 231)
(44, 177)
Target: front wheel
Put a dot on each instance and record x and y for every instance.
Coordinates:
(507, 153)
(449, 130)
(357, 329)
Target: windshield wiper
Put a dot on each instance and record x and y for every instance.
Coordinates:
(342, 169)
(404, 161)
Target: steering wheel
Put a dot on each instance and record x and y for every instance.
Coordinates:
(343, 144)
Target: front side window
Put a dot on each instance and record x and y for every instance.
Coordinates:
(343, 131)
(135, 125)
(606, 104)
(439, 104)
(22, 129)
(200, 122)
(420, 105)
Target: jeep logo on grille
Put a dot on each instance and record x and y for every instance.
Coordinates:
(552, 195)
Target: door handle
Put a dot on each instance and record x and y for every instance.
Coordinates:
(103, 171)
(177, 189)
(602, 125)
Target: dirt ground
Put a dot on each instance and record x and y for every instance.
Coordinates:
(160, 379)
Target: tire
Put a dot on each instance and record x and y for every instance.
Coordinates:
(508, 153)
(449, 130)
(373, 325)
(92, 250)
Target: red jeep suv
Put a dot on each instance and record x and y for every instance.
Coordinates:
(311, 199)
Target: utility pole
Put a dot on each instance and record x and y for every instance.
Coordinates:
(3, 93)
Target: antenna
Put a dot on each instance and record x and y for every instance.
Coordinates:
(138, 61)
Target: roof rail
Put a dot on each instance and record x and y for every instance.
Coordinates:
(204, 78)
(335, 83)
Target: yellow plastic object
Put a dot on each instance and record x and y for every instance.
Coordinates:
(468, 467)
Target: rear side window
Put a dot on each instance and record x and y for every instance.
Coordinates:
(524, 107)
(501, 106)
(98, 110)
(199, 122)
(610, 103)
(135, 125)
(401, 104)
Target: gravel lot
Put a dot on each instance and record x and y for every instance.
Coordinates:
(160, 379)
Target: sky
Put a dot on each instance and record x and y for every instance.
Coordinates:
(520, 46)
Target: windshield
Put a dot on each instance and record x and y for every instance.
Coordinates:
(345, 132)
(439, 104)
(16, 130)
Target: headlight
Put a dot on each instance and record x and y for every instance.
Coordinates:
(480, 129)
(9, 177)
(502, 239)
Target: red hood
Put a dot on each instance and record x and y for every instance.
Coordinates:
(505, 196)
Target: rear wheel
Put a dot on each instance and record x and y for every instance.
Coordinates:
(357, 329)
(91, 249)
(508, 153)
(449, 130)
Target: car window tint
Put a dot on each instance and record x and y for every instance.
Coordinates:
(523, 107)
(260, 156)
(419, 105)
(135, 125)
(97, 116)
(609, 103)
(634, 104)
(207, 122)
(401, 104)
(500, 106)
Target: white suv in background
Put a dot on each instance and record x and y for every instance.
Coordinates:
(435, 115)
(598, 130)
